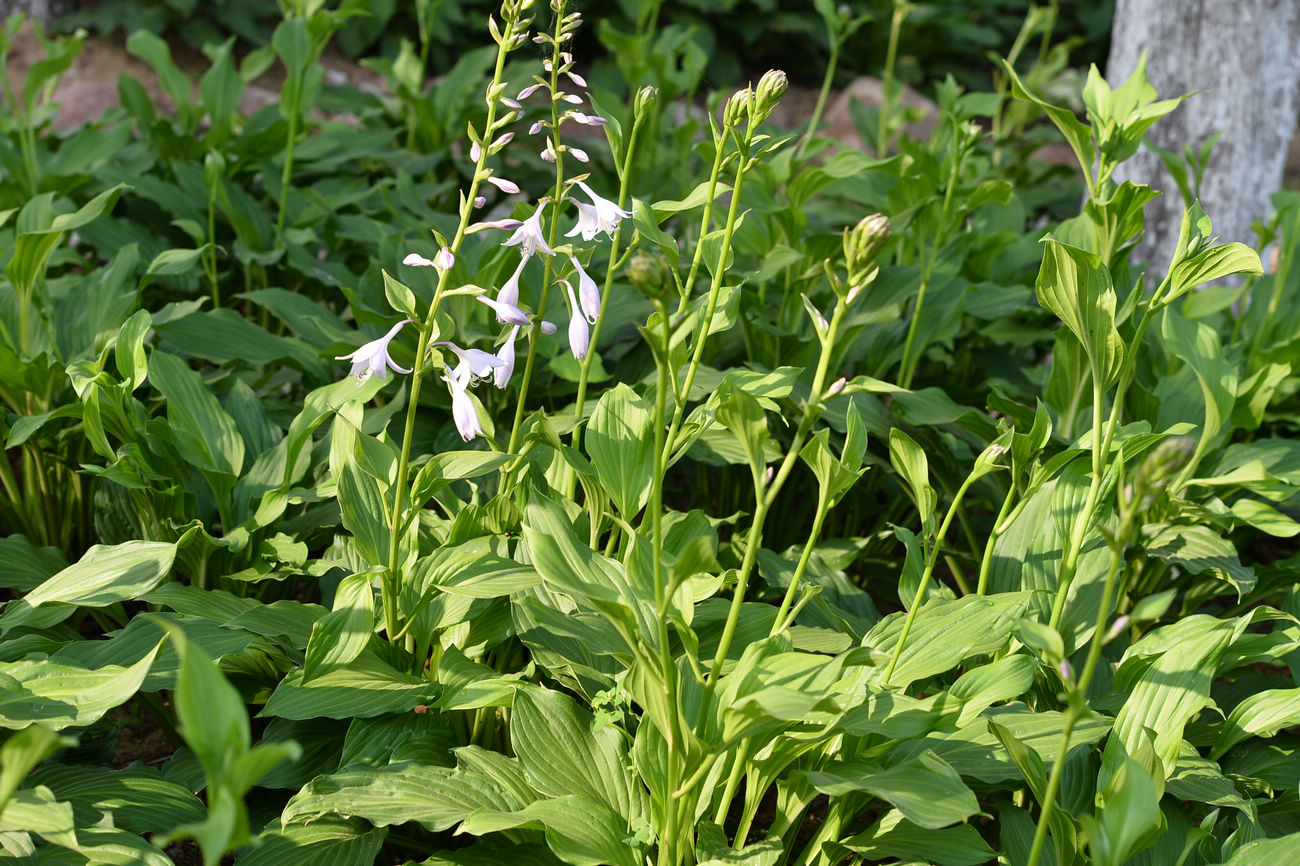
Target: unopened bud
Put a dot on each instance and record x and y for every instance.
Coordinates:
(862, 245)
(1063, 668)
(649, 273)
(1161, 467)
(1116, 629)
(837, 386)
(645, 100)
(737, 109)
(771, 87)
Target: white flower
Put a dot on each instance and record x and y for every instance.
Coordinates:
(474, 363)
(579, 333)
(415, 260)
(602, 215)
(578, 153)
(501, 376)
(475, 151)
(588, 293)
(507, 314)
(373, 359)
(506, 224)
(576, 78)
(509, 187)
(529, 235)
(444, 261)
(548, 327)
(509, 293)
(463, 411)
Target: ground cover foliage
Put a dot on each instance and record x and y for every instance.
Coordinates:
(514, 471)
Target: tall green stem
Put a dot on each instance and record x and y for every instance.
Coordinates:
(391, 578)
(901, 10)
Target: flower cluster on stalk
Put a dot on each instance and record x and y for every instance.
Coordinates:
(595, 216)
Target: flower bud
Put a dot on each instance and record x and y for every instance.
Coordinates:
(737, 109)
(771, 87)
(645, 100)
(1161, 467)
(649, 273)
(862, 244)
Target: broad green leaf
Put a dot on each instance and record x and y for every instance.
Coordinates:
(23, 751)
(620, 439)
(439, 798)
(1128, 814)
(1262, 714)
(105, 575)
(39, 232)
(138, 797)
(1174, 688)
(1265, 852)
(106, 845)
(909, 461)
(36, 811)
(1001, 680)
(58, 696)
(207, 436)
(1075, 285)
(364, 513)
(367, 687)
(178, 261)
(745, 418)
(712, 849)
(1076, 133)
(896, 837)
(1198, 346)
(1211, 264)
(1199, 549)
(581, 831)
(562, 753)
(326, 841)
(924, 789)
(339, 637)
(945, 632)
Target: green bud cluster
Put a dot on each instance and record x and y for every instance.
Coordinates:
(1161, 467)
(862, 245)
(650, 275)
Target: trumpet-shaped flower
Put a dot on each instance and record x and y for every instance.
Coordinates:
(445, 260)
(509, 292)
(373, 359)
(474, 363)
(529, 236)
(508, 187)
(602, 215)
(507, 314)
(588, 293)
(501, 375)
(463, 411)
(579, 333)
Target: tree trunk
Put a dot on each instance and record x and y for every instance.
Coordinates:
(1242, 57)
(44, 11)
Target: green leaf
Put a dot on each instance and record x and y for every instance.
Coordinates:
(39, 232)
(1076, 286)
(924, 789)
(1128, 814)
(561, 753)
(207, 436)
(339, 637)
(1265, 852)
(1262, 714)
(895, 837)
(1199, 549)
(1198, 346)
(620, 439)
(581, 831)
(367, 687)
(1174, 687)
(138, 797)
(23, 751)
(1076, 133)
(909, 461)
(1212, 264)
(58, 696)
(170, 262)
(438, 798)
(326, 841)
(106, 575)
(363, 512)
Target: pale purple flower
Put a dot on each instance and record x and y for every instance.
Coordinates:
(509, 187)
(572, 98)
(548, 155)
(474, 363)
(415, 260)
(576, 78)
(588, 293)
(507, 314)
(510, 103)
(475, 151)
(548, 327)
(503, 140)
(578, 153)
(509, 292)
(602, 215)
(501, 375)
(480, 200)
(463, 411)
(373, 359)
(506, 224)
(445, 260)
(529, 236)
(588, 119)
(536, 127)
(527, 92)
(579, 333)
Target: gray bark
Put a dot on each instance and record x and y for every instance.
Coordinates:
(44, 11)
(1241, 55)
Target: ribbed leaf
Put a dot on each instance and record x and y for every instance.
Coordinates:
(581, 831)
(895, 837)
(1075, 285)
(138, 797)
(1262, 714)
(58, 695)
(367, 687)
(620, 439)
(924, 789)
(323, 842)
(339, 637)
